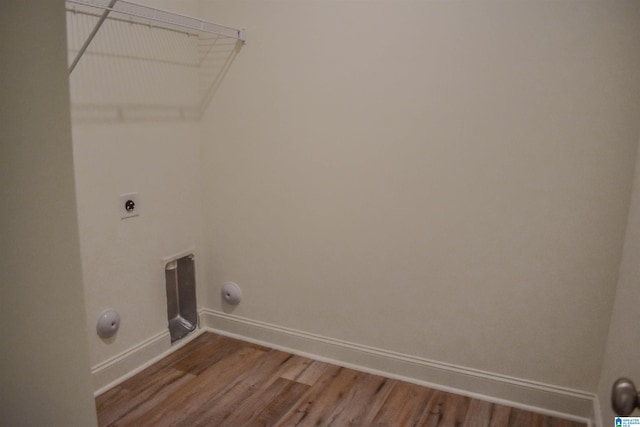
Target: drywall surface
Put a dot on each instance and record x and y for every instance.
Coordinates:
(623, 345)
(45, 358)
(448, 180)
(135, 129)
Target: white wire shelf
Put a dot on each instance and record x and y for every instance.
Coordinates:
(135, 13)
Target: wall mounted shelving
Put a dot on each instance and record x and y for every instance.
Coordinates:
(135, 13)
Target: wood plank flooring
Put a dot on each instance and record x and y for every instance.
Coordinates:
(219, 381)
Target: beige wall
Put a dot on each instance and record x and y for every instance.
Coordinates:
(45, 363)
(443, 180)
(623, 345)
(446, 180)
(135, 100)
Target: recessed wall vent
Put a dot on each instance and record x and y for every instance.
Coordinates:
(182, 312)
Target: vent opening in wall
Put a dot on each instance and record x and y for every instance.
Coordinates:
(180, 275)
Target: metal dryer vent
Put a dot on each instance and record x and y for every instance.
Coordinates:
(180, 275)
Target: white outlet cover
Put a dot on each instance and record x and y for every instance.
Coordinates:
(124, 198)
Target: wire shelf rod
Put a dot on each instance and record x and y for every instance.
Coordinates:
(147, 13)
(140, 14)
(187, 32)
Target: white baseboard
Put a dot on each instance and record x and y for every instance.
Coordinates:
(544, 398)
(597, 411)
(116, 369)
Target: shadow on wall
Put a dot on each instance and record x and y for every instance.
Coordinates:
(136, 72)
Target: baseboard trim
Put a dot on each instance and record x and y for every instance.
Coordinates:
(544, 398)
(117, 369)
(597, 410)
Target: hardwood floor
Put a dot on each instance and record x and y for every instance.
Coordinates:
(219, 381)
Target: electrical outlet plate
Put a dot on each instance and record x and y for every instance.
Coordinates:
(129, 205)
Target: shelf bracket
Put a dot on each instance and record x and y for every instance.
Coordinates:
(87, 42)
